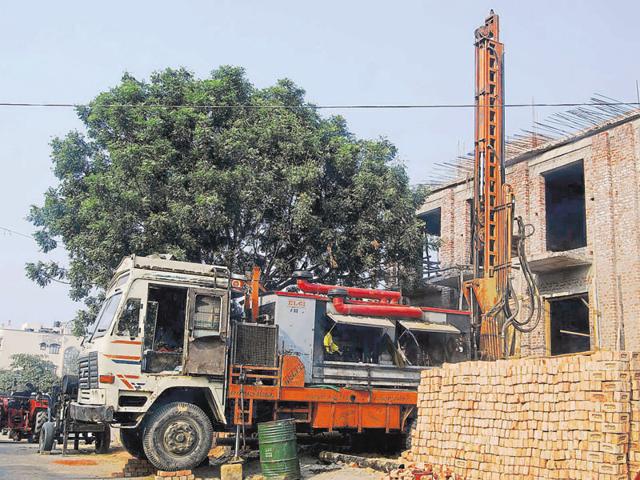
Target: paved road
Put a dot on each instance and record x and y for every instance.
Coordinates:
(21, 461)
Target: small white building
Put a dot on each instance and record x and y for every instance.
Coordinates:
(54, 344)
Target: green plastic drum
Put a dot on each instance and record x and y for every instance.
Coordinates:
(279, 450)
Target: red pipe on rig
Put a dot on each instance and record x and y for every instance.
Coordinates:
(353, 292)
(372, 310)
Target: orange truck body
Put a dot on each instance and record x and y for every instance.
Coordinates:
(320, 408)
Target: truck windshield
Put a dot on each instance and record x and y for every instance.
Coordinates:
(106, 314)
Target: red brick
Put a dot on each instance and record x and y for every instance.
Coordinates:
(611, 161)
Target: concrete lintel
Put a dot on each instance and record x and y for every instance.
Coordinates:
(554, 261)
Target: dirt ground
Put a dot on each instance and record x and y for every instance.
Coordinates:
(21, 461)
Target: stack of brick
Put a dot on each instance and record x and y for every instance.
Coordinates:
(178, 475)
(564, 417)
(136, 468)
(634, 428)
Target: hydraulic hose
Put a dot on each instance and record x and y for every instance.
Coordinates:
(534, 305)
(353, 292)
(373, 310)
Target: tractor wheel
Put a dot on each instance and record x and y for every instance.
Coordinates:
(47, 437)
(103, 440)
(177, 436)
(131, 439)
(41, 418)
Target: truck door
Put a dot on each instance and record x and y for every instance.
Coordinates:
(207, 325)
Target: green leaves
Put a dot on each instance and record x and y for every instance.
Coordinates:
(161, 169)
(28, 369)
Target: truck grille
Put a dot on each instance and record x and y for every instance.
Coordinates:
(88, 371)
(255, 344)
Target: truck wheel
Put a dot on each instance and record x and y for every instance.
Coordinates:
(41, 418)
(177, 436)
(47, 437)
(131, 439)
(103, 440)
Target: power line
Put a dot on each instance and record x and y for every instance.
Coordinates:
(14, 232)
(9, 231)
(317, 107)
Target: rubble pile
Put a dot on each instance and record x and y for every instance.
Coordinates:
(566, 417)
(422, 471)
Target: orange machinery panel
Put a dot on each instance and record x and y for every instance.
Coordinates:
(329, 408)
(356, 416)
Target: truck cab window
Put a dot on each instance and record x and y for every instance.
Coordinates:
(129, 321)
(206, 315)
(106, 314)
(165, 352)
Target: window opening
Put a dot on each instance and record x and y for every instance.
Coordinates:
(207, 312)
(565, 208)
(70, 361)
(164, 348)
(106, 314)
(358, 344)
(122, 279)
(569, 325)
(129, 321)
(431, 252)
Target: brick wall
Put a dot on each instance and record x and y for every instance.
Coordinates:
(612, 203)
(456, 225)
(613, 226)
(565, 417)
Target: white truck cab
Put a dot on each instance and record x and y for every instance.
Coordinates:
(155, 363)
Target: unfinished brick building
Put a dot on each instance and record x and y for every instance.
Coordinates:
(580, 193)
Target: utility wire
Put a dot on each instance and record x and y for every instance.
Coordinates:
(14, 232)
(318, 107)
(9, 231)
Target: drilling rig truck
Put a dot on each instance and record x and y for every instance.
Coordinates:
(174, 357)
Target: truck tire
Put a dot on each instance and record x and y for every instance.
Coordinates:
(131, 439)
(177, 436)
(103, 440)
(47, 437)
(41, 418)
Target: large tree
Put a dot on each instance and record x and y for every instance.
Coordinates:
(26, 372)
(215, 170)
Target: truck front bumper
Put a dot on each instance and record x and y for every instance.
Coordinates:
(90, 413)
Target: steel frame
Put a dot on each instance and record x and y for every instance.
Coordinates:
(493, 198)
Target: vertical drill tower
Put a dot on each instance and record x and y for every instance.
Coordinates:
(492, 222)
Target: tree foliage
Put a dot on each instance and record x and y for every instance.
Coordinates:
(26, 370)
(216, 170)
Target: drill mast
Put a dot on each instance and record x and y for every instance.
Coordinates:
(493, 201)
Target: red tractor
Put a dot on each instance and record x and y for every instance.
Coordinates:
(22, 415)
(4, 400)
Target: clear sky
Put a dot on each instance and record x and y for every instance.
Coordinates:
(339, 51)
